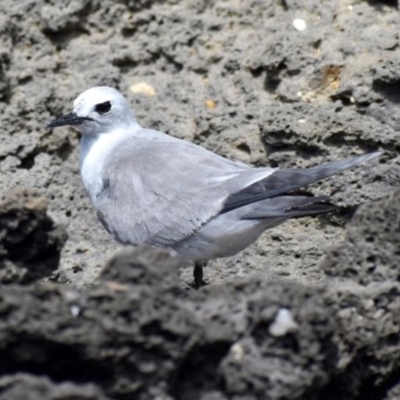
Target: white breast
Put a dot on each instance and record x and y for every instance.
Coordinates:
(94, 150)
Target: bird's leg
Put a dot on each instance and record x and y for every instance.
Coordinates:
(198, 274)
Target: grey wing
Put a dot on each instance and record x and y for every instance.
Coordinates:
(159, 192)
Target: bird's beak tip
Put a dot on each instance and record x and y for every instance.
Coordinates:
(50, 125)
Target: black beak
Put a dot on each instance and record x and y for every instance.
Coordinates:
(69, 119)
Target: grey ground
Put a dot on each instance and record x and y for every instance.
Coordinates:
(239, 79)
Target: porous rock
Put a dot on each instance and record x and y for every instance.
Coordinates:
(239, 79)
(327, 92)
(135, 340)
(370, 253)
(28, 387)
(30, 242)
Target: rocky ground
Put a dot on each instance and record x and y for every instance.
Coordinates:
(310, 311)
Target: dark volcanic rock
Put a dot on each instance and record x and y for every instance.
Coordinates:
(126, 338)
(243, 353)
(144, 266)
(367, 333)
(368, 313)
(394, 394)
(371, 251)
(137, 335)
(28, 387)
(30, 243)
(223, 74)
(136, 341)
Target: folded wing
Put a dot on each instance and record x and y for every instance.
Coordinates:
(161, 191)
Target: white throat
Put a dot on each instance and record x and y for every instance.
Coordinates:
(94, 150)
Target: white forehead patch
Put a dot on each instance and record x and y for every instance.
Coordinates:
(78, 101)
(96, 95)
(85, 104)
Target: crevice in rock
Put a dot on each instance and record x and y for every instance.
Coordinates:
(198, 373)
(389, 90)
(378, 3)
(58, 361)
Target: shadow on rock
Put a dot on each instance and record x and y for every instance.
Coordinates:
(30, 243)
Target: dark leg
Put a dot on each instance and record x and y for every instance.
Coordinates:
(198, 274)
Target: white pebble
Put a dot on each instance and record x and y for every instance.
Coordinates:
(75, 310)
(237, 351)
(283, 323)
(299, 24)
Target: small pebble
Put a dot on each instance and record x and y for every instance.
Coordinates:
(75, 310)
(299, 24)
(237, 351)
(283, 323)
(211, 104)
(144, 88)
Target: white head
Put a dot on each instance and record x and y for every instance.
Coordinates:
(98, 110)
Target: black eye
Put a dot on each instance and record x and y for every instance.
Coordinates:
(103, 108)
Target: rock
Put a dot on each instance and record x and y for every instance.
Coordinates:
(128, 341)
(29, 387)
(30, 243)
(366, 292)
(212, 87)
(240, 80)
(139, 341)
(136, 335)
(145, 266)
(369, 253)
(394, 393)
(240, 358)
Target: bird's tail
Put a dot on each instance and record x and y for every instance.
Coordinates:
(290, 207)
(285, 180)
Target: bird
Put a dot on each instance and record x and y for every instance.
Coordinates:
(150, 188)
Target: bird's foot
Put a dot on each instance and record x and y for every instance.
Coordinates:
(198, 275)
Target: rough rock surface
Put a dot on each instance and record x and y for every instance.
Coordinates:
(371, 252)
(240, 79)
(30, 242)
(137, 334)
(237, 78)
(28, 387)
